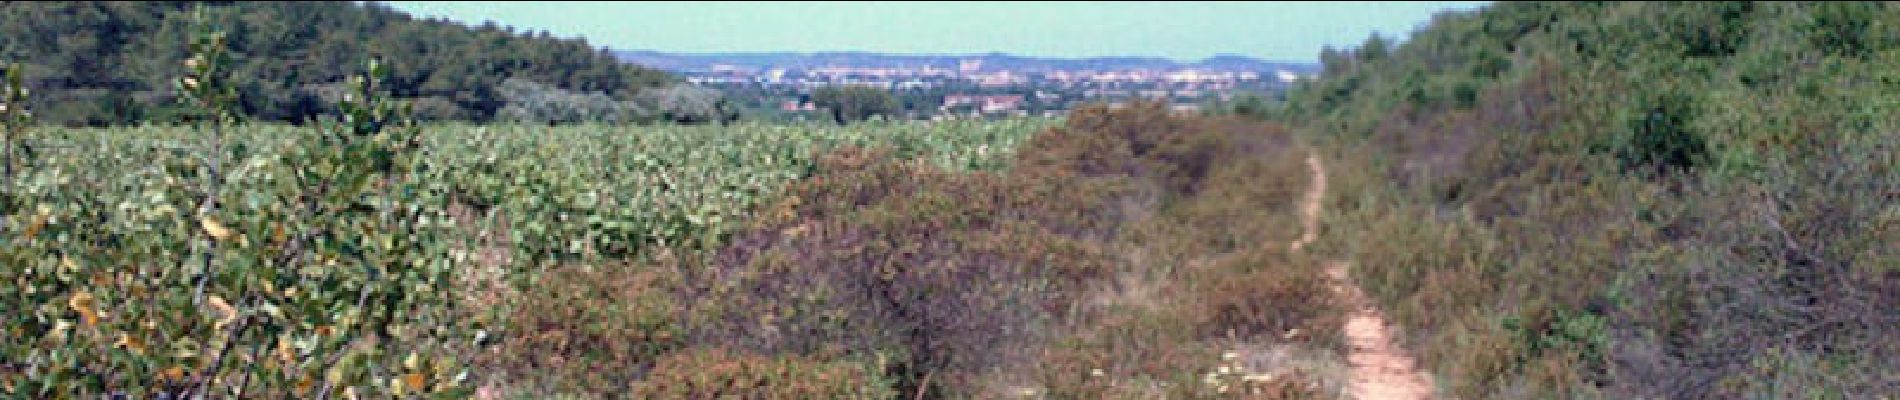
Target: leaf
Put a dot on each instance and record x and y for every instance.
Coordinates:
(215, 229)
(33, 228)
(226, 313)
(304, 385)
(131, 343)
(414, 381)
(84, 303)
(175, 373)
(285, 353)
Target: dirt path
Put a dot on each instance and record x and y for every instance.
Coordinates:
(1380, 369)
(1309, 207)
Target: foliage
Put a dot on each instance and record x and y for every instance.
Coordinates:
(1614, 212)
(681, 104)
(14, 116)
(851, 103)
(720, 373)
(577, 320)
(689, 105)
(623, 191)
(535, 103)
(925, 265)
(1661, 137)
(107, 63)
(126, 211)
(272, 285)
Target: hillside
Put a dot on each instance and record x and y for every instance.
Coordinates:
(685, 62)
(101, 63)
(1626, 200)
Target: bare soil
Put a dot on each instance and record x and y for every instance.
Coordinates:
(1379, 368)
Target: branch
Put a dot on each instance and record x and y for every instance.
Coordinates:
(205, 378)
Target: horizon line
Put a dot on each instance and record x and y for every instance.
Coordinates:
(978, 54)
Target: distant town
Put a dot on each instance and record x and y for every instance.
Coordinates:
(778, 85)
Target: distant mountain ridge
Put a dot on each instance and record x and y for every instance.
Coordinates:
(702, 62)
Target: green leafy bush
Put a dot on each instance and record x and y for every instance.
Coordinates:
(206, 285)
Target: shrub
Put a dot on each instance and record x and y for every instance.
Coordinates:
(533, 102)
(1245, 202)
(687, 105)
(1097, 141)
(576, 320)
(1637, 215)
(950, 273)
(852, 103)
(1204, 264)
(1661, 137)
(325, 283)
(1261, 293)
(721, 373)
(1139, 353)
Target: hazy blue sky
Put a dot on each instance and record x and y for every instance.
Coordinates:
(1290, 31)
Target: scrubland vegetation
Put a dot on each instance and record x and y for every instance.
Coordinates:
(1627, 200)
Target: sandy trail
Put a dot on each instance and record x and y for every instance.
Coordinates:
(1309, 207)
(1380, 369)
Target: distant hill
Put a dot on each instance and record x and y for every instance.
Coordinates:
(102, 63)
(701, 62)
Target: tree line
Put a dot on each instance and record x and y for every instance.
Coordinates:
(108, 63)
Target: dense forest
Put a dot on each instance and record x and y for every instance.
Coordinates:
(1628, 199)
(109, 63)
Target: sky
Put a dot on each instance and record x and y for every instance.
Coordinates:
(1183, 31)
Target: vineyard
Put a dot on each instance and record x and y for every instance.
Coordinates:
(125, 283)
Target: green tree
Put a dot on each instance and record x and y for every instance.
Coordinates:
(687, 104)
(105, 63)
(855, 102)
(1374, 48)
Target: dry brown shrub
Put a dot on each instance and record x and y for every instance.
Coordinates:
(719, 373)
(1262, 296)
(584, 330)
(948, 273)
